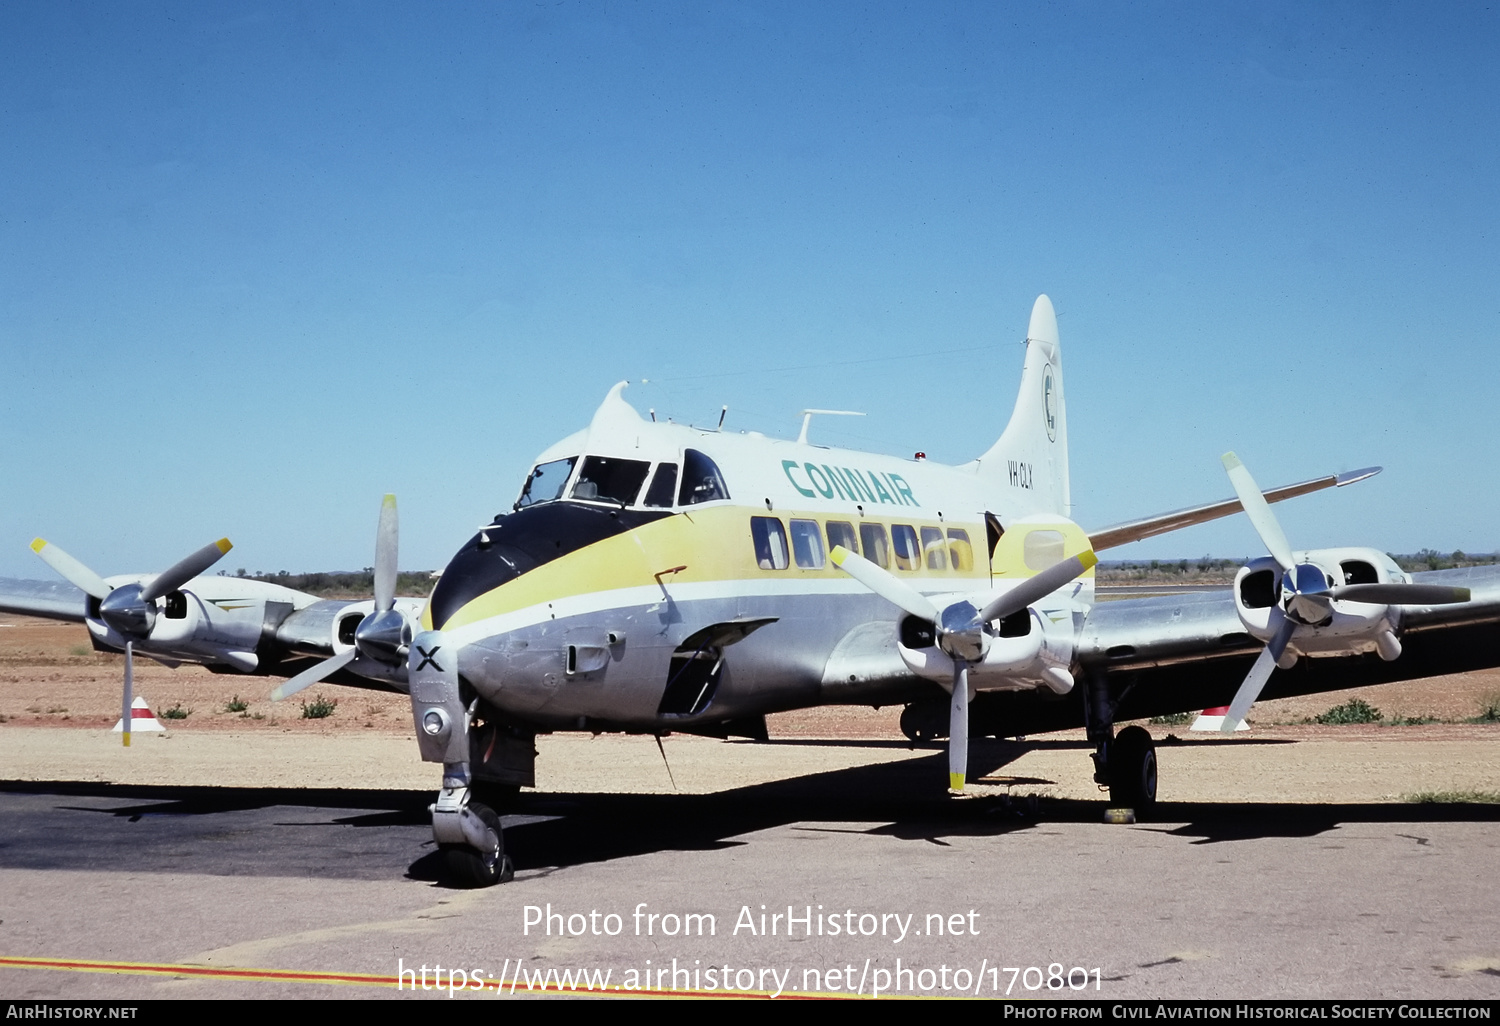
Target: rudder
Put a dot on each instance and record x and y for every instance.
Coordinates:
(1026, 471)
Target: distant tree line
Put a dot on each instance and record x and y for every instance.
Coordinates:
(342, 584)
(1213, 570)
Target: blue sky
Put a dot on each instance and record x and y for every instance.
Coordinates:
(261, 263)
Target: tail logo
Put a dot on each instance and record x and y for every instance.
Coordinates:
(1049, 403)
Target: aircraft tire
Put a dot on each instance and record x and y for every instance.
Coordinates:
(1132, 771)
(919, 723)
(469, 868)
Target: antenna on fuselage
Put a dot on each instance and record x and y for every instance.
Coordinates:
(807, 416)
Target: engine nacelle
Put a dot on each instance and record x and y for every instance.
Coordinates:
(1022, 652)
(1346, 628)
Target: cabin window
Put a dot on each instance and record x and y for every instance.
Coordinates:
(877, 548)
(701, 480)
(908, 553)
(1042, 549)
(663, 486)
(933, 549)
(607, 479)
(959, 549)
(841, 532)
(770, 543)
(807, 544)
(546, 482)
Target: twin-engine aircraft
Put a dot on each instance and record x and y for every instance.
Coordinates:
(653, 577)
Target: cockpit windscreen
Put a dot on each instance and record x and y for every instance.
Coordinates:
(607, 479)
(546, 482)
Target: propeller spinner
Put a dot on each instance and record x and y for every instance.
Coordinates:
(130, 609)
(1308, 594)
(960, 629)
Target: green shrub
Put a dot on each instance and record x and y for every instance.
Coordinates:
(1489, 712)
(1176, 719)
(236, 704)
(318, 708)
(177, 712)
(1455, 797)
(1356, 710)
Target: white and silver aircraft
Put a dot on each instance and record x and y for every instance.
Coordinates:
(653, 577)
(228, 624)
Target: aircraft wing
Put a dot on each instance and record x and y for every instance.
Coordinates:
(1180, 652)
(54, 600)
(1161, 523)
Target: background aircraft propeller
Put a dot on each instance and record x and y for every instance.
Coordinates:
(1306, 595)
(130, 609)
(383, 635)
(959, 628)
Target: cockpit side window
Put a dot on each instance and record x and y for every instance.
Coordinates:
(701, 480)
(546, 482)
(607, 479)
(663, 486)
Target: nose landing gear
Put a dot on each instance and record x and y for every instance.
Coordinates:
(470, 838)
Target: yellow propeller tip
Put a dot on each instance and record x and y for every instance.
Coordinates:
(1089, 558)
(224, 545)
(955, 781)
(389, 500)
(38, 544)
(838, 555)
(1230, 460)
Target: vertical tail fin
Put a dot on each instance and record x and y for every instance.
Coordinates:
(1026, 471)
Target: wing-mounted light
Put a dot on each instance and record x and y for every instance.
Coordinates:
(1320, 602)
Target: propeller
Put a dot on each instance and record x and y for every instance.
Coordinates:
(130, 609)
(383, 635)
(1307, 597)
(959, 627)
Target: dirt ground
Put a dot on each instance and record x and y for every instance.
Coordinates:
(50, 678)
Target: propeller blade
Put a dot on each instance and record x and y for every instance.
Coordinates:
(1259, 511)
(1398, 594)
(125, 716)
(184, 570)
(1256, 679)
(310, 676)
(958, 727)
(884, 584)
(386, 535)
(70, 570)
(1034, 589)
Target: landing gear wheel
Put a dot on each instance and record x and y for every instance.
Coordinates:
(470, 868)
(919, 723)
(1132, 771)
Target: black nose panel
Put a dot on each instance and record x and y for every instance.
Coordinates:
(519, 542)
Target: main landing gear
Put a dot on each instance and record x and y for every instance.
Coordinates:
(1125, 763)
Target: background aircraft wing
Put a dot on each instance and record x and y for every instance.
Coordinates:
(1161, 523)
(55, 600)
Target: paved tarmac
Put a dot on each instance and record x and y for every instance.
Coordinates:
(330, 891)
